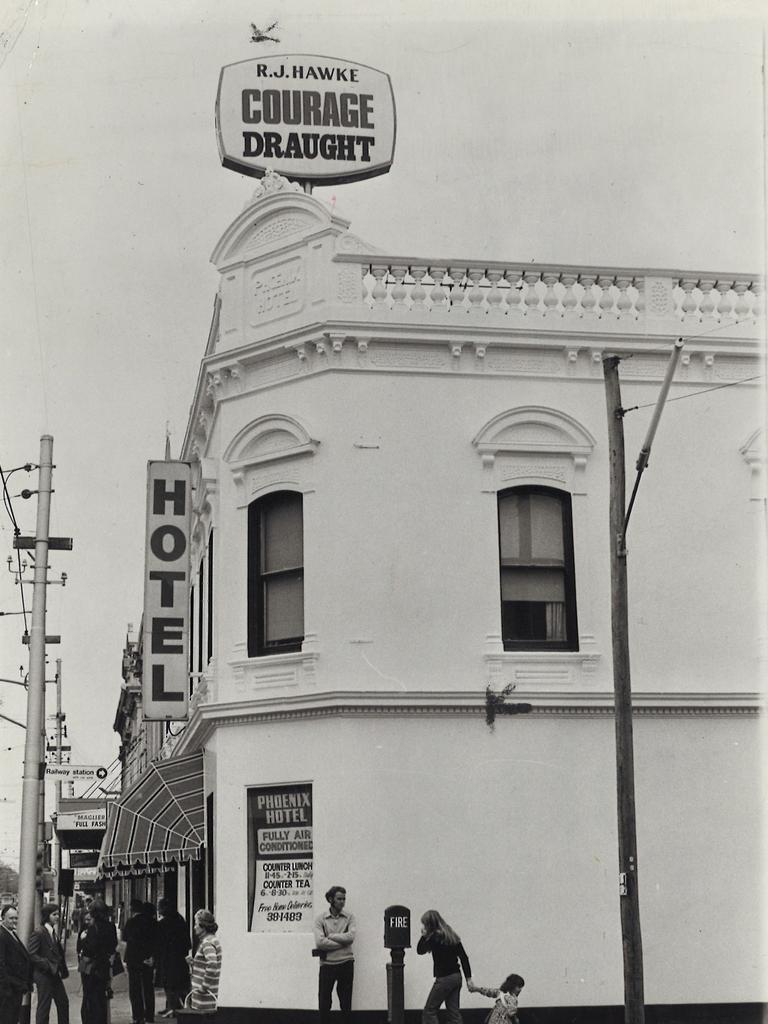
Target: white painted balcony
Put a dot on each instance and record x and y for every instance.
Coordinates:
(290, 265)
(551, 297)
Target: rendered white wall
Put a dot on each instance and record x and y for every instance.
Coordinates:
(401, 542)
(512, 836)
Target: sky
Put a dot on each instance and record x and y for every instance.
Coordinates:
(625, 134)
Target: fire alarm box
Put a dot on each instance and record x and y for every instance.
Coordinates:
(397, 927)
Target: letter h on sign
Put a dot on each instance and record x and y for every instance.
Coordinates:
(165, 684)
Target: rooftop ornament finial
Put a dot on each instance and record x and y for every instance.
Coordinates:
(271, 183)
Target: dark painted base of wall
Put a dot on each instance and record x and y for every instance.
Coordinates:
(689, 1013)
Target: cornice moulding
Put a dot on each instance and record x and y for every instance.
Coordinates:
(351, 703)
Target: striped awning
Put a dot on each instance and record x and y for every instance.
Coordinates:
(159, 821)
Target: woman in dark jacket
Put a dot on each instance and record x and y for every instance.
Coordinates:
(96, 949)
(439, 939)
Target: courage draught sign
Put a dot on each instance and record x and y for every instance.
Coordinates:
(314, 119)
(165, 675)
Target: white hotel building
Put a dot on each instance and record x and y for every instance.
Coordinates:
(400, 500)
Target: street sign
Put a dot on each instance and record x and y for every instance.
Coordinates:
(54, 543)
(75, 772)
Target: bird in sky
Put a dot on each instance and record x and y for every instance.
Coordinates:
(259, 35)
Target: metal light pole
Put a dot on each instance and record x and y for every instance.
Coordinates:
(34, 764)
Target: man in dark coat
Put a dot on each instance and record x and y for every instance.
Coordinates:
(50, 967)
(15, 967)
(173, 944)
(139, 934)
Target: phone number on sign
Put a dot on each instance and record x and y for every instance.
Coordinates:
(284, 915)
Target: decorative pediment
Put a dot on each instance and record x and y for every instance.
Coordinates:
(275, 220)
(534, 430)
(268, 439)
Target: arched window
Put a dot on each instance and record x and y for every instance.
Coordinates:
(275, 574)
(538, 590)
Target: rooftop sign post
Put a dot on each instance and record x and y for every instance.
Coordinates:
(309, 118)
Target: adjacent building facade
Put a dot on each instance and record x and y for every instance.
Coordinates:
(400, 529)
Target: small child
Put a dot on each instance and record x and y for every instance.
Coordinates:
(505, 1010)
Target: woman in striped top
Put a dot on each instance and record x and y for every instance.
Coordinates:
(205, 965)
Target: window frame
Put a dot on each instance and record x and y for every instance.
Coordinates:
(257, 644)
(571, 641)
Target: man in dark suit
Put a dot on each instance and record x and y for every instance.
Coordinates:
(50, 967)
(139, 934)
(15, 967)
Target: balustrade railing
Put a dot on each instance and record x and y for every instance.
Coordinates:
(499, 290)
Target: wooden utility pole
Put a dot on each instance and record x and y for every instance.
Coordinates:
(629, 901)
(59, 719)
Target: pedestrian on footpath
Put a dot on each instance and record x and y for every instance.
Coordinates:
(335, 932)
(97, 947)
(140, 940)
(85, 923)
(505, 1010)
(439, 939)
(50, 966)
(173, 945)
(205, 965)
(15, 967)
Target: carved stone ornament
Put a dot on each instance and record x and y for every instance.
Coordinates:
(269, 185)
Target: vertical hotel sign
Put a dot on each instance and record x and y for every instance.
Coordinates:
(165, 677)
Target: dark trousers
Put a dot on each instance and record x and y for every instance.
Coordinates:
(95, 1004)
(141, 992)
(174, 998)
(50, 989)
(444, 990)
(10, 1005)
(341, 975)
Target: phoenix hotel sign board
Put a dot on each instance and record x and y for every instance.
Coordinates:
(315, 119)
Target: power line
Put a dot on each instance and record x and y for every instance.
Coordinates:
(16, 531)
(693, 394)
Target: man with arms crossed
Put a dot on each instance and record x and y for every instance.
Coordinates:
(334, 934)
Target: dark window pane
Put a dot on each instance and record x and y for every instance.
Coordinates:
(509, 528)
(210, 596)
(546, 528)
(275, 574)
(283, 607)
(542, 621)
(282, 545)
(538, 599)
(532, 585)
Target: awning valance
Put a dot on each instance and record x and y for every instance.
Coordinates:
(158, 821)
